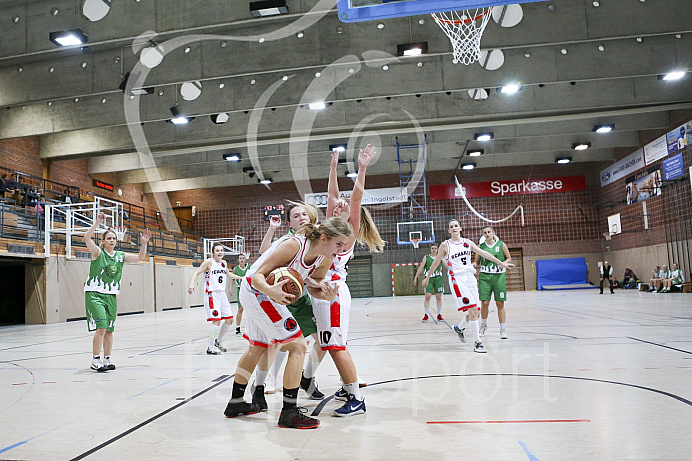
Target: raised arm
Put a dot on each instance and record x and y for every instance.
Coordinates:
(333, 185)
(200, 270)
(486, 255)
(418, 272)
(364, 158)
(144, 238)
(274, 223)
(89, 237)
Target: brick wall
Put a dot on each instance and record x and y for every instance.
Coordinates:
(21, 154)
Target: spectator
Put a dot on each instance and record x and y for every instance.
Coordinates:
(630, 279)
(3, 184)
(607, 273)
(657, 280)
(675, 279)
(66, 196)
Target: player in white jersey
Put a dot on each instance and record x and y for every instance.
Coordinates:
(462, 281)
(216, 304)
(333, 315)
(268, 320)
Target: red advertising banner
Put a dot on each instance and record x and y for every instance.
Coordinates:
(510, 187)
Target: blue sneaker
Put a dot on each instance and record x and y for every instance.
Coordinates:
(341, 394)
(351, 407)
(459, 332)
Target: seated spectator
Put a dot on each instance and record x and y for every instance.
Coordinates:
(65, 197)
(3, 184)
(675, 280)
(657, 281)
(630, 279)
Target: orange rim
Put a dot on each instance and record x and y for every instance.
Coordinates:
(465, 21)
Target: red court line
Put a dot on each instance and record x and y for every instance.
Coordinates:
(514, 421)
(19, 384)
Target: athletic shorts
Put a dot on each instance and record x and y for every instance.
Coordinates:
(465, 291)
(216, 306)
(238, 297)
(266, 322)
(492, 284)
(101, 310)
(332, 319)
(678, 281)
(435, 285)
(303, 313)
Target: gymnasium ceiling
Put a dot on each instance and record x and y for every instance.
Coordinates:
(578, 65)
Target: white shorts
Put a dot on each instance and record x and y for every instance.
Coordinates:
(266, 321)
(332, 319)
(217, 306)
(465, 290)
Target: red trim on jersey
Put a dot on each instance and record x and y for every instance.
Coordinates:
(457, 293)
(290, 338)
(256, 343)
(465, 308)
(335, 314)
(270, 310)
(334, 348)
(335, 278)
(211, 302)
(219, 318)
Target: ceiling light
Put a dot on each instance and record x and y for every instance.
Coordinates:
(412, 49)
(135, 91)
(70, 37)
(337, 147)
(317, 105)
(300, 34)
(385, 67)
(95, 10)
(268, 8)
(232, 157)
(219, 119)
(351, 174)
(476, 152)
(581, 145)
(603, 128)
(468, 166)
(177, 118)
(509, 89)
(266, 181)
(483, 136)
(563, 159)
(152, 55)
(677, 75)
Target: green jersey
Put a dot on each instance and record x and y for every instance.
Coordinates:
(663, 274)
(240, 272)
(105, 273)
(428, 264)
(487, 266)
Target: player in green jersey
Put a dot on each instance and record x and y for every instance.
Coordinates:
(240, 271)
(102, 287)
(675, 279)
(492, 280)
(436, 284)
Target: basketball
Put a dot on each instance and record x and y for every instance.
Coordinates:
(294, 286)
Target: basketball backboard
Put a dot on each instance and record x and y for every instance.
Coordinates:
(423, 231)
(371, 10)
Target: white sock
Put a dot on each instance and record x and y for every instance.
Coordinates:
(503, 326)
(484, 322)
(427, 310)
(278, 361)
(463, 324)
(260, 377)
(439, 309)
(310, 368)
(213, 334)
(475, 330)
(224, 328)
(353, 389)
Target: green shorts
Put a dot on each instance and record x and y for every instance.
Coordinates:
(435, 285)
(238, 297)
(302, 311)
(101, 310)
(489, 284)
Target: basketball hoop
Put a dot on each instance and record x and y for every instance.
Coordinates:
(464, 29)
(246, 254)
(608, 235)
(120, 232)
(415, 243)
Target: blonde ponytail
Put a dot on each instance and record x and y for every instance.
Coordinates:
(368, 233)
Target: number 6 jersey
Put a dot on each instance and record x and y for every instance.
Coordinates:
(216, 276)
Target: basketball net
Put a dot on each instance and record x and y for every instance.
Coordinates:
(463, 195)
(415, 243)
(120, 232)
(464, 29)
(608, 235)
(247, 254)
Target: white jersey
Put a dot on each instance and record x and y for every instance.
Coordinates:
(339, 269)
(216, 277)
(298, 262)
(458, 257)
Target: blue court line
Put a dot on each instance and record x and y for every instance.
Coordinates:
(2, 450)
(531, 456)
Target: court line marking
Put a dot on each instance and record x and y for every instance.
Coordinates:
(528, 452)
(152, 419)
(659, 345)
(515, 421)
